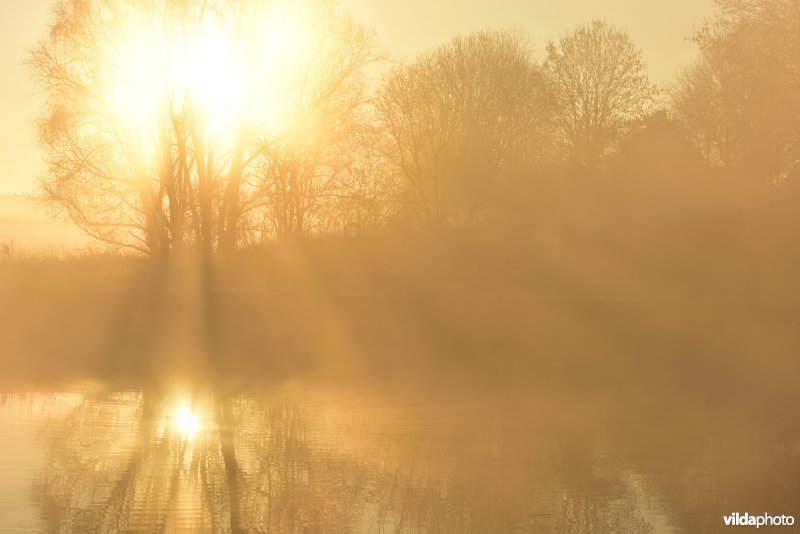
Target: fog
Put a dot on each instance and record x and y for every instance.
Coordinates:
(275, 278)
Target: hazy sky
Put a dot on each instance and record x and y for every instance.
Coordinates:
(405, 27)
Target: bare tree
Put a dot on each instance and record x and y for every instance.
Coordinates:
(738, 102)
(461, 120)
(160, 115)
(701, 105)
(307, 173)
(597, 77)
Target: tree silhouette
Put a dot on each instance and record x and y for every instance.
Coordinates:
(461, 120)
(307, 175)
(598, 80)
(167, 125)
(738, 102)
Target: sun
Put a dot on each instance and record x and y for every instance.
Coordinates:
(228, 75)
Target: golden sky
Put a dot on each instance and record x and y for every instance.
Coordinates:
(404, 27)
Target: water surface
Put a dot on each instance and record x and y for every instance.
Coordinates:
(312, 460)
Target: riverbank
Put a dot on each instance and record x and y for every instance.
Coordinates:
(576, 308)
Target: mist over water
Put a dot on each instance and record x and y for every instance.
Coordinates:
(405, 384)
(300, 460)
(307, 288)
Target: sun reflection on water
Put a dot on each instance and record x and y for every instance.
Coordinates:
(186, 422)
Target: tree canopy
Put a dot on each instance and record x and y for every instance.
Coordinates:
(462, 119)
(195, 124)
(738, 102)
(213, 124)
(597, 75)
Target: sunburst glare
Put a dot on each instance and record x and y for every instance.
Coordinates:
(225, 75)
(186, 422)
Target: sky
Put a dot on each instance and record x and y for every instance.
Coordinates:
(403, 27)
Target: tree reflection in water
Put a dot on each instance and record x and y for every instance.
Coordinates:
(117, 464)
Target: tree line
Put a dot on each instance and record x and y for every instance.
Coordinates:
(435, 141)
